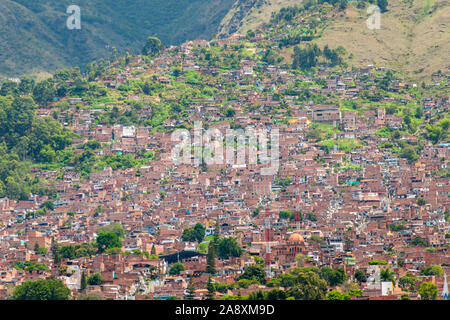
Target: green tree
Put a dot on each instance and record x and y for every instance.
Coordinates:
(9, 88)
(250, 34)
(41, 250)
(419, 241)
(428, 291)
(387, 275)
(337, 295)
(257, 295)
(409, 153)
(255, 273)
(48, 205)
(176, 268)
(30, 266)
(188, 235)
(354, 290)
(67, 252)
(306, 58)
(408, 283)
(44, 92)
(20, 114)
(83, 282)
(228, 247)
(397, 226)
(26, 85)
(197, 233)
(285, 214)
(229, 112)
(285, 280)
(333, 277)
(49, 289)
(108, 240)
(190, 290)
(86, 249)
(95, 279)
(432, 271)
(360, 276)
(210, 287)
(152, 46)
(244, 283)
(211, 259)
(276, 294)
(418, 113)
(309, 286)
(16, 189)
(216, 233)
(311, 216)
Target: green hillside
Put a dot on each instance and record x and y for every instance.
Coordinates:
(414, 37)
(35, 39)
(249, 14)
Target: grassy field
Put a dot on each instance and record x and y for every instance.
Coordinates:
(414, 37)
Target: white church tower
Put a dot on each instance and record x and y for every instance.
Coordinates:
(445, 294)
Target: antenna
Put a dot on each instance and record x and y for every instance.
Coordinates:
(267, 226)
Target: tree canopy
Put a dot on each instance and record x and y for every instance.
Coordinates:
(428, 291)
(197, 233)
(255, 273)
(228, 247)
(95, 279)
(49, 289)
(108, 240)
(152, 46)
(176, 268)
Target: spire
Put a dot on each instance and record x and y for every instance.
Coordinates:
(445, 293)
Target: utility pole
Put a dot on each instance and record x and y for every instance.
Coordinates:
(267, 226)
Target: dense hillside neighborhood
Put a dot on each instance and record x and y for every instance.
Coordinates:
(357, 208)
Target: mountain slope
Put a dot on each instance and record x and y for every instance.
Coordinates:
(249, 14)
(414, 37)
(35, 37)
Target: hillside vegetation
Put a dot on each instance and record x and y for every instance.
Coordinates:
(249, 14)
(35, 39)
(414, 36)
